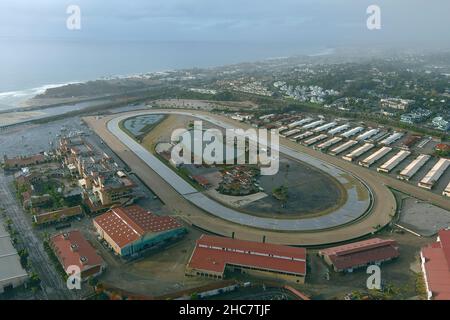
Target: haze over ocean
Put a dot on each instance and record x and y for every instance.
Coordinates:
(28, 68)
(37, 48)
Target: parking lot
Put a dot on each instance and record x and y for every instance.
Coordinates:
(422, 217)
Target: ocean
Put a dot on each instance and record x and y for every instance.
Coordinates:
(30, 67)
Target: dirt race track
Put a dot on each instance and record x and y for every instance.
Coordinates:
(384, 204)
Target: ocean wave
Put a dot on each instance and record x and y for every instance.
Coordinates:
(34, 91)
(324, 52)
(14, 99)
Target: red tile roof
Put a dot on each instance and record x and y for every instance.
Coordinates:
(71, 247)
(127, 224)
(444, 238)
(361, 253)
(443, 147)
(214, 253)
(437, 266)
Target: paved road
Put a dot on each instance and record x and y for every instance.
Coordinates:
(382, 212)
(354, 207)
(52, 284)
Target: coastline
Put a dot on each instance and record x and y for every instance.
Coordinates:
(19, 100)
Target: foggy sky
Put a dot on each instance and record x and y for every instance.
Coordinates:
(414, 23)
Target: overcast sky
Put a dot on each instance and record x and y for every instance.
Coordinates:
(313, 22)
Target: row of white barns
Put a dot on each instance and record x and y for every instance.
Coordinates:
(289, 133)
(343, 147)
(374, 157)
(389, 165)
(315, 139)
(282, 129)
(392, 138)
(328, 143)
(352, 132)
(368, 134)
(325, 127)
(447, 191)
(339, 129)
(313, 124)
(434, 174)
(320, 125)
(294, 132)
(305, 123)
(302, 136)
(427, 182)
(299, 122)
(414, 167)
(358, 152)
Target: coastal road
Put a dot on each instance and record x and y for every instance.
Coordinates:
(52, 285)
(384, 205)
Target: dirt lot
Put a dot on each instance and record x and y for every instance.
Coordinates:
(422, 217)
